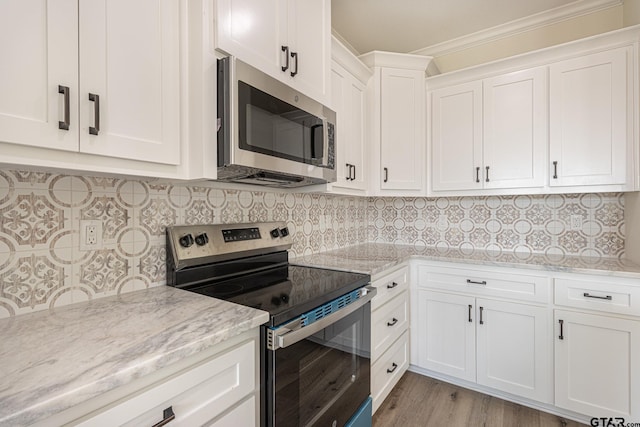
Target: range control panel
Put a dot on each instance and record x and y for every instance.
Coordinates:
(240, 234)
(197, 244)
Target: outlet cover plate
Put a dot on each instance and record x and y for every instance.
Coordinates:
(85, 235)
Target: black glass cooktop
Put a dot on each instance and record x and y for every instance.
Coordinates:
(285, 291)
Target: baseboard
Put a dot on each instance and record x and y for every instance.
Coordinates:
(551, 409)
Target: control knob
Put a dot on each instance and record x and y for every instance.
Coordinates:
(275, 233)
(202, 239)
(284, 232)
(186, 240)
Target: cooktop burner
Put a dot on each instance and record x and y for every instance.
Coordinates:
(248, 264)
(285, 292)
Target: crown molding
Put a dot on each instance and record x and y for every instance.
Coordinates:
(345, 57)
(538, 20)
(408, 61)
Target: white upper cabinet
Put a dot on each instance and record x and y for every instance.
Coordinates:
(515, 129)
(129, 66)
(93, 77)
(589, 103)
(558, 120)
(402, 129)
(398, 117)
(456, 126)
(348, 100)
(490, 133)
(39, 73)
(287, 39)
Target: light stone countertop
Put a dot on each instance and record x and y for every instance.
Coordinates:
(53, 360)
(374, 258)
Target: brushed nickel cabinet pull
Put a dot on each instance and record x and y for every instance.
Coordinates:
(386, 175)
(555, 169)
(478, 174)
(470, 308)
(481, 321)
(487, 177)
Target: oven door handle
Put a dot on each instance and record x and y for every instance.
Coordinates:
(289, 335)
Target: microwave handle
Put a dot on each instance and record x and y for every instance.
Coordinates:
(325, 145)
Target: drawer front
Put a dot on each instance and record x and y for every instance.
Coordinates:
(388, 323)
(197, 396)
(389, 286)
(386, 372)
(600, 296)
(485, 283)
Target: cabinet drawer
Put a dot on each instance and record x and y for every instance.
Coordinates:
(390, 285)
(197, 395)
(388, 323)
(601, 296)
(485, 283)
(386, 372)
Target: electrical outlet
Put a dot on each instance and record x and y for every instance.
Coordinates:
(576, 222)
(90, 235)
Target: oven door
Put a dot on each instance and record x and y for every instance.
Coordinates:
(324, 378)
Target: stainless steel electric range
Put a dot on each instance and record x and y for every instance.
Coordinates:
(315, 349)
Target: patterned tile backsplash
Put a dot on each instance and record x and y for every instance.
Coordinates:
(41, 265)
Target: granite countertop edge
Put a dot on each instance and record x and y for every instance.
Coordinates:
(376, 258)
(186, 332)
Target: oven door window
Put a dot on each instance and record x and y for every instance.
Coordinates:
(323, 378)
(273, 127)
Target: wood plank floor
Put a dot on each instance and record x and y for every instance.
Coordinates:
(422, 401)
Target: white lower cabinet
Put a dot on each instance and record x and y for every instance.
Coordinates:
(596, 360)
(486, 326)
(221, 388)
(389, 332)
(497, 344)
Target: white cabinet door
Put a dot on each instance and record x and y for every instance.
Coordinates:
(39, 54)
(287, 39)
(130, 59)
(515, 129)
(457, 137)
(513, 349)
(446, 327)
(596, 360)
(402, 124)
(348, 100)
(588, 119)
(252, 30)
(309, 37)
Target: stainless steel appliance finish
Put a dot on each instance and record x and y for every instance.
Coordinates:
(270, 134)
(189, 245)
(315, 348)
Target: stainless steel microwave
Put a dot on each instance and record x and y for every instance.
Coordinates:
(270, 134)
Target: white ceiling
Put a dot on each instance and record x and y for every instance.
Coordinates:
(409, 25)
